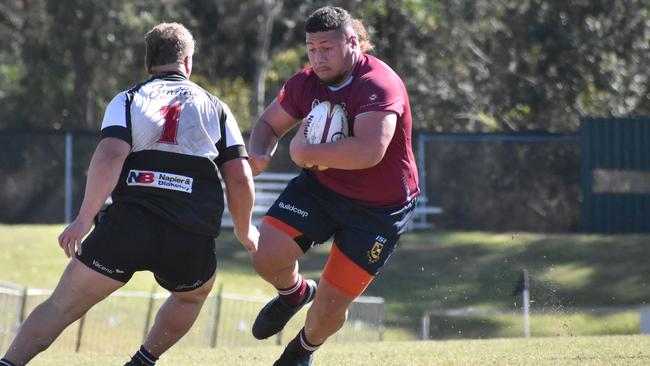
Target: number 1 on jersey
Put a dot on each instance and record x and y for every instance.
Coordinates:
(172, 114)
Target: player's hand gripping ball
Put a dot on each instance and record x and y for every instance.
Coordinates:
(325, 124)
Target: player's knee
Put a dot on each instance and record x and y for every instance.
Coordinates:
(262, 264)
(195, 296)
(191, 297)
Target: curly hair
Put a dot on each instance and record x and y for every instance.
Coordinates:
(167, 43)
(364, 40)
(334, 18)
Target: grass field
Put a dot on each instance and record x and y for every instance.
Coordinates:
(565, 351)
(430, 270)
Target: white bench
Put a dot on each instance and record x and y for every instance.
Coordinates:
(420, 218)
(268, 187)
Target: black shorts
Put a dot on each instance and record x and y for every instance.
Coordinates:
(128, 238)
(311, 214)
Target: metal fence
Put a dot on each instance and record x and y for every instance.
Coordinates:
(469, 182)
(544, 321)
(616, 175)
(120, 322)
(501, 182)
(550, 318)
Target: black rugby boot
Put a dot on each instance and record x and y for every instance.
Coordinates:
(276, 313)
(290, 358)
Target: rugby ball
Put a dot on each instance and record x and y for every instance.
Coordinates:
(325, 124)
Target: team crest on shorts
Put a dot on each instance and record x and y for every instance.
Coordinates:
(375, 252)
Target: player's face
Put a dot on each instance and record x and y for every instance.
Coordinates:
(331, 55)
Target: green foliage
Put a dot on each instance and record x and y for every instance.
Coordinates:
(284, 64)
(464, 63)
(235, 93)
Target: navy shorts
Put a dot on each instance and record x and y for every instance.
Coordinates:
(128, 238)
(312, 213)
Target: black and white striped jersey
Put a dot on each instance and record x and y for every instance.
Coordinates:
(179, 135)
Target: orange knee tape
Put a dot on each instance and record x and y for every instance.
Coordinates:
(342, 273)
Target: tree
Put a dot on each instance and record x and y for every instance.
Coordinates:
(469, 65)
(538, 65)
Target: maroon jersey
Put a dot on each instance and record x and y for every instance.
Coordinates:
(372, 86)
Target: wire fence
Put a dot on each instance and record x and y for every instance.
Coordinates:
(534, 181)
(121, 321)
(473, 322)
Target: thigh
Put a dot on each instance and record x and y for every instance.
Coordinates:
(355, 259)
(277, 248)
(80, 287)
(196, 295)
(364, 244)
(299, 214)
(183, 261)
(114, 246)
(368, 235)
(367, 250)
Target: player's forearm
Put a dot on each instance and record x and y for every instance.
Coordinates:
(240, 204)
(240, 195)
(350, 153)
(103, 174)
(263, 140)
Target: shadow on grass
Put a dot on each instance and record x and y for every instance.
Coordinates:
(436, 270)
(440, 270)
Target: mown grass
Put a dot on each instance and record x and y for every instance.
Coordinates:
(565, 351)
(430, 270)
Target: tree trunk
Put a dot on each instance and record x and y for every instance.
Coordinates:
(270, 10)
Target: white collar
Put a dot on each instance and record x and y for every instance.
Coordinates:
(346, 83)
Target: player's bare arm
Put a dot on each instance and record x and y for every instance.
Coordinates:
(267, 131)
(103, 174)
(373, 132)
(241, 196)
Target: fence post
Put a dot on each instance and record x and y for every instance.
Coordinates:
(522, 287)
(147, 321)
(278, 339)
(80, 332)
(426, 323)
(68, 177)
(422, 171)
(381, 321)
(526, 299)
(644, 323)
(217, 316)
(22, 306)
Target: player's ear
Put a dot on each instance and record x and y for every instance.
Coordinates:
(187, 62)
(353, 41)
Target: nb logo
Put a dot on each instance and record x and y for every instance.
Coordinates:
(160, 180)
(140, 177)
